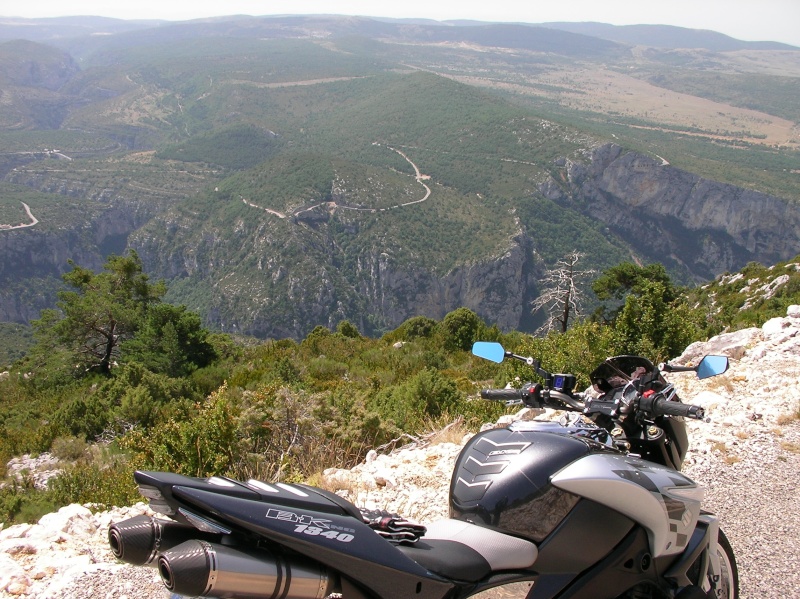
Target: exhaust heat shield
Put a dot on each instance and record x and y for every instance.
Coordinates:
(199, 568)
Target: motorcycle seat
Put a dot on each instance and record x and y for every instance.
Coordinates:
(464, 551)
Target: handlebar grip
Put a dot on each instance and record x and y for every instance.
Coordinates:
(503, 394)
(662, 407)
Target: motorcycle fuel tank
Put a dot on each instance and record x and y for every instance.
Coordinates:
(502, 478)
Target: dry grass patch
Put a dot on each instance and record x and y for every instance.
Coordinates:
(785, 419)
(450, 433)
(790, 447)
(721, 383)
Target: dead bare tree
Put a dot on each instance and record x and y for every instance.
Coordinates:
(561, 298)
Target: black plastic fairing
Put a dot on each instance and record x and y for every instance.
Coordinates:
(588, 534)
(628, 566)
(679, 569)
(299, 496)
(676, 432)
(164, 481)
(346, 506)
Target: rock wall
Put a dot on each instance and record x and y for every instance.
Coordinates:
(32, 260)
(497, 289)
(673, 215)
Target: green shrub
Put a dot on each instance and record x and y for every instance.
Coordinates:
(418, 326)
(21, 502)
(460, 329)
(348, 329)
(108, 485)
(69, 448)
(201, 442)
(428, 394)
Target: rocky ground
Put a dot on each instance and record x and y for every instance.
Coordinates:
(747, 457)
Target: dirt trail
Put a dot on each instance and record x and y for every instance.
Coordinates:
(34, 220)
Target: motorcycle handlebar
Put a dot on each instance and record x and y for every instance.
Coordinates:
(660, 406)
(503, 394)
(667, 367)
(534, 396)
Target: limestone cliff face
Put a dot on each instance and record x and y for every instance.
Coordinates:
(35, 65)
(497, 288)
(32, 260)
(673, 215)
(276, 302)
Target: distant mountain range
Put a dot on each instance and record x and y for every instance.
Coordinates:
(667, 37)
(659, 36)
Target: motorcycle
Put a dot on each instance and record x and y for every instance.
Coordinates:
(592, 506)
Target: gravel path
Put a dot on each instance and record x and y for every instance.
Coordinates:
(758, 502)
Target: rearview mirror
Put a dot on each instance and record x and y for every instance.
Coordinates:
(489, 350)
(712, 366)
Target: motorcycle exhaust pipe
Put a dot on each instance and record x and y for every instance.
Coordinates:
(199, 568)
(139, 540)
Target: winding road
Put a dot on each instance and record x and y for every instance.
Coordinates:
(420, 178)
(34, 220)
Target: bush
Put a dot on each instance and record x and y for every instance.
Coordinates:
(418, 327)
(20, 502)
(428, 394)
(69, 448)
(348, 329)
(649, 326)
(104, 484)
(134, 396)
(460, 329)
(201, 442)
(578, 351)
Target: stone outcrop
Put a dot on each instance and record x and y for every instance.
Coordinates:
(39, 469)
(66, 555)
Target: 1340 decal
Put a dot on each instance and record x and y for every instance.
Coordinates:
(309, 525)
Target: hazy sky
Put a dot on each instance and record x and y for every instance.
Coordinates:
(772, 20)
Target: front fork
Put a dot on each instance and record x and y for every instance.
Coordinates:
(700, 559)
(712, 567)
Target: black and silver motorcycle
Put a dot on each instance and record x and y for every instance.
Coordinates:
(593, 506)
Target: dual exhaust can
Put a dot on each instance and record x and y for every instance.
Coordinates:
(195, 564)
(139, 540)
